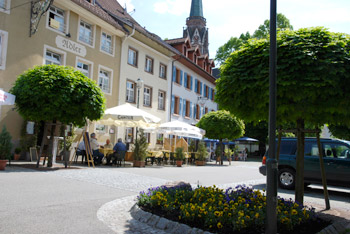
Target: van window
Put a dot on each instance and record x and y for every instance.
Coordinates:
(311, 149)
(336, 150)
(287, 147)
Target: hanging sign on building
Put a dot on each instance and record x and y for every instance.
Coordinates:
(7, 98)
(70, 46)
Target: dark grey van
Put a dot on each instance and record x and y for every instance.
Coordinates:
(336, 159)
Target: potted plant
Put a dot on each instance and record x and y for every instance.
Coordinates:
(5, 147)
(201, 154)
(17, 153)
(179, 156)
(140, 150)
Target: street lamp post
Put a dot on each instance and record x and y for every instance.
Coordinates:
(139, 84)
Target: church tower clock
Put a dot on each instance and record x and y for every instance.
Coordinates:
(196, 28)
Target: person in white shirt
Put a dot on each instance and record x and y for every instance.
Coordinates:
(95, 146)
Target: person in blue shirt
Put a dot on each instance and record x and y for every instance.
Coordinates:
(120, 146)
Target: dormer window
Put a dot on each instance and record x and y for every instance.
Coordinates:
(185, 51)
(195, 59)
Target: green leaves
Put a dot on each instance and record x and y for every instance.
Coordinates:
(221, 125)
(52, 92)
(313, 78)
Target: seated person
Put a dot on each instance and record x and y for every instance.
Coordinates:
(108, 145)
(95, 146)
(120, 146)
(81, 150)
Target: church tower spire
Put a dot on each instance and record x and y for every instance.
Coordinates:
(196, 27)
(196, 8)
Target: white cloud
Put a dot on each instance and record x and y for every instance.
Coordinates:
(174, 7)
(128, 4)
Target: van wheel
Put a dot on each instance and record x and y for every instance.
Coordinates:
(286, 178)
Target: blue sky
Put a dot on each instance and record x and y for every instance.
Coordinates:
(227, 18)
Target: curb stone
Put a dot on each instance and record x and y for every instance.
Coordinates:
(162, 223)
(336, 228)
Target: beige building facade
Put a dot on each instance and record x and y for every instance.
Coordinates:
(69, 33)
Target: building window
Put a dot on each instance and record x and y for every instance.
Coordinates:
(212, 94)
(106, 43)
(5, 6)
(178, 76)
(3, 49)
(206, 110)
(160, 138)
(198, 111)
(132, 57)
(206, 91)
(162, 71)
(188, 109)
(149, 65)
(85, 33)
(147, 96)
(130, 91)
(198, 87)
(177, 105)
(161, 100)
(104, 80)
(57, 19)
(53, 58)
(129, 135)
(148, 137)
(188, 81)
(84, 67)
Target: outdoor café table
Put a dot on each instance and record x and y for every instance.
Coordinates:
(154, 155)
(106, 151)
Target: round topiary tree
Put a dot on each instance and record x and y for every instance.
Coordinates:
(221, 125)
(53, 93)
(313, 82)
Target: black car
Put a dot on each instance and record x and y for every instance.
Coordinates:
(336, 160)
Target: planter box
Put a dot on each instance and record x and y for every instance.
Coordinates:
(3, 164)
(178, 163)
(139, 164)
(200, 163)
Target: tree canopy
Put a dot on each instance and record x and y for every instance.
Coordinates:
(340, 131)
(52, 92)
(221, 125)
(313, 80)
(262, 32)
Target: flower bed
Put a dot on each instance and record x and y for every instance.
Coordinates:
(239, 210)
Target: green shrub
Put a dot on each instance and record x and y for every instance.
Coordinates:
(5, 144)
(202, 151)
(140, 147)
(179, 153)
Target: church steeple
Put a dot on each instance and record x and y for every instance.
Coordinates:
(196, 27)
(196, 8)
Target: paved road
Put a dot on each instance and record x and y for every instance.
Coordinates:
(67, 201)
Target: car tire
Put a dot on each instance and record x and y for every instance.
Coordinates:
(286, 178)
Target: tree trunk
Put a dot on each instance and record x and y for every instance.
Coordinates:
(222, 152)
(299, 183)
(42, 144)
(52, 135)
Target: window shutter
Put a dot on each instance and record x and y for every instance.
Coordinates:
(181, 76)
(196, 86)
(184, 108)
(195, 111)
(180, 106)
(200, 88)
(172, 104)
(185, 80)
(205, 90)
(174, 73)
(209, 90)
(191, 107)
(191, 83)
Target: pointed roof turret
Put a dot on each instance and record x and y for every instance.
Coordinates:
(196, 8)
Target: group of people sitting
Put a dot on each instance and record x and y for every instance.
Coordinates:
(119, 148)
